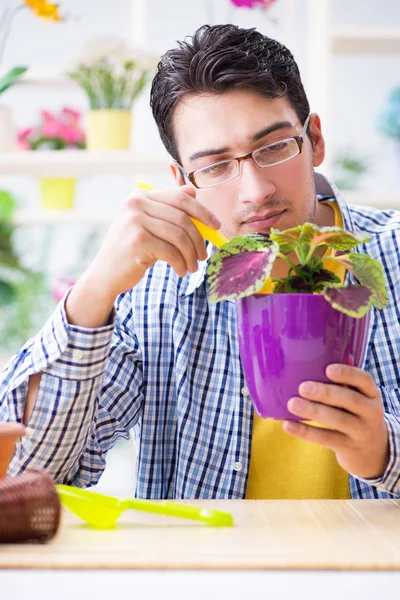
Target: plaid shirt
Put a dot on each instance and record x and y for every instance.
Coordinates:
(168, 368)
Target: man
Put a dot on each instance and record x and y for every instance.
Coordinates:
(165, 361)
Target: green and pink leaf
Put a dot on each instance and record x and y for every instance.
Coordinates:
(355, 300)
(240, 268)
(369, 273)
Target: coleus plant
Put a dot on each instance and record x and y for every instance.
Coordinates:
(241, 267)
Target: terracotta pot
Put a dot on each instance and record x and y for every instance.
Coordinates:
(9, 434)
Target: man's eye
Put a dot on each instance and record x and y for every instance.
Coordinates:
(217, 169)
(276, 148)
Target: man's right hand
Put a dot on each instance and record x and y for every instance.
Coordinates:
(152, 225)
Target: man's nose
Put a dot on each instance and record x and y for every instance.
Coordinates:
(254, 184)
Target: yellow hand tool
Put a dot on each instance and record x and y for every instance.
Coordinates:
(213, 236)
(102, 512)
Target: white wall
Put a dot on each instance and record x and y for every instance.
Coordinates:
(360, 84)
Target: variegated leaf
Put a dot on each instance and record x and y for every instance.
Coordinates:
(370, 273)
(355, 300)
(234, 273)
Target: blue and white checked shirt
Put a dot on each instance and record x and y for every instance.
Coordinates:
(169, 369)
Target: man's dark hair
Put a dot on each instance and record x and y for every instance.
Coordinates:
(218, 59)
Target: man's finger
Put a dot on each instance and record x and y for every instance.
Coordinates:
(334, 440)
(353, 377)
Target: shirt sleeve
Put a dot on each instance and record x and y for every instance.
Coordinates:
(90, 394)
(390, 480)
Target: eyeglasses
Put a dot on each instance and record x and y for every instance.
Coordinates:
(267, 156)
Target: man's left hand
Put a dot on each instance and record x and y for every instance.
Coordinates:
(351, 409)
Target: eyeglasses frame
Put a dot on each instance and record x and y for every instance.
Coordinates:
(299, 139)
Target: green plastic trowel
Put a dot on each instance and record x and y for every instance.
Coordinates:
(102, 512)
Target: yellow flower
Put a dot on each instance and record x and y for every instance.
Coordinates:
(44, 10)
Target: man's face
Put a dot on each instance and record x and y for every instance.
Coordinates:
(232, 125)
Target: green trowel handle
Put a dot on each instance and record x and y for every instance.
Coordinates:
(217, 518)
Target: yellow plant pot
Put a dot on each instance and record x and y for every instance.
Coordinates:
(57, 193)
(108, 129)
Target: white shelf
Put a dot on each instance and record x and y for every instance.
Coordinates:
(77, 163)
(366, 41)
(60, 217)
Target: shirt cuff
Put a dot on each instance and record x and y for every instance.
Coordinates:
(389, 482)
(70, 351)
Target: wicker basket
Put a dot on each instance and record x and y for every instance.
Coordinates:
(29, 507)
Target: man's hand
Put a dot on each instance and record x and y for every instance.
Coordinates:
(152, 225)
(351, 408)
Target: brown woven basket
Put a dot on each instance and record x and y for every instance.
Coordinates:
(29, 507)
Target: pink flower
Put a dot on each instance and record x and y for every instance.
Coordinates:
(55, 131)
(253, 3)
(22, 145)
(60, 287)
(51, 129)
(73, 114)
(23, 141)
(46, 116)
(72, 135)
(25, 133)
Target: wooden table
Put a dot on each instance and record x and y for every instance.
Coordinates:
(318, 543)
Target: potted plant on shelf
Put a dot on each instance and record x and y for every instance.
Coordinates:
(112, 75)
(309, 320)
(42, 9)
(58, 131)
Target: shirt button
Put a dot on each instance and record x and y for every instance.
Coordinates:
(245, 391)
(237, 466)
(77, 355)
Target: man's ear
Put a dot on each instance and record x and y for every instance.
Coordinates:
(318, 149)
(177, 174)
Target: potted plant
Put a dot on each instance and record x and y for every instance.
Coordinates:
(310, 319)
(55, 131)
(42, 9)
(112, 75)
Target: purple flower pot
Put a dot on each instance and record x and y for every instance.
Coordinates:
(285, 339)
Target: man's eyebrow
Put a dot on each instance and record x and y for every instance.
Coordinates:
(270, 129)
(254, 138)
(210, 152)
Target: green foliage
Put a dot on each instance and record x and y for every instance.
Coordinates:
(350, 168)
(11, 270)
(241, 267)
(21, 318)
(11, 77)
(109, 86)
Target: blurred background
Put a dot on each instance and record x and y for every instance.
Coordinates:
(76, 131)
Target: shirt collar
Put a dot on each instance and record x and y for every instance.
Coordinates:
(324, 188)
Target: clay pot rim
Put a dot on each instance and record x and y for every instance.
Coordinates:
(9, 430)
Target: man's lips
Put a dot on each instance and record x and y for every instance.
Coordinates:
(258, 222)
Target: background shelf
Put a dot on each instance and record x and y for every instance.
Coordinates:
(366, 41)
(77, 163)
